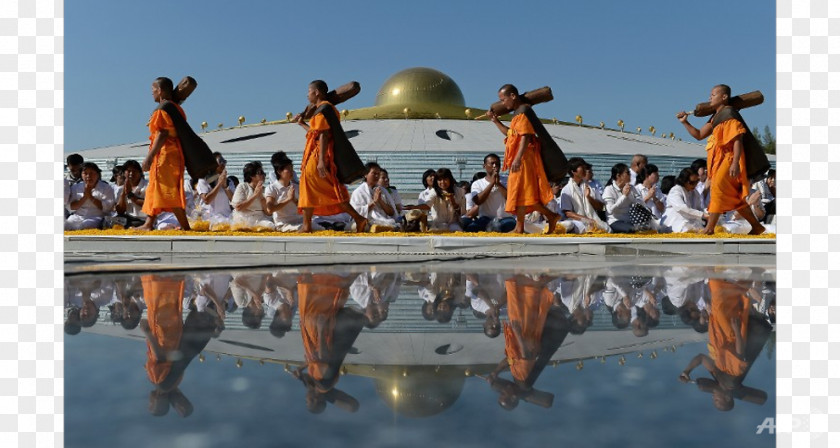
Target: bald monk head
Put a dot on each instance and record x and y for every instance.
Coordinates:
(719, 96)
(317, 91)
(509, 96)
(162, 89)
(639, 162)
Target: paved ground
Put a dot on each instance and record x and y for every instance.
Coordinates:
(85, 253)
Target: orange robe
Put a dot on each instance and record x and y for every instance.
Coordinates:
(166, 175)
(528, 307)
(164, 302)
(726, 193)
(528, 186)
(323, 194)
(729, 301)
(319, 304)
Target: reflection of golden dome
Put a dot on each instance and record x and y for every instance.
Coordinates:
(422, 392)
(419, 85)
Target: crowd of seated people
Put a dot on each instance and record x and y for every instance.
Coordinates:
(636, 198)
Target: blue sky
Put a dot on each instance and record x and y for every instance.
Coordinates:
(637, 61)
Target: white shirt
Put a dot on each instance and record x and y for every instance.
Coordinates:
(494, 205)
(442, 210)
(140, 191)
(102, 191)
(424, 195)
(643, 191)
(617, 204)
(703, 193)
(395, 195)
(220, 204)
(288, 214)
(243, 192)
(362, 198)
(683, 211)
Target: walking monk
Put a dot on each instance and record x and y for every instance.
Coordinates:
(726, 163)
(528, 188)
(320, 191)
(165, 162)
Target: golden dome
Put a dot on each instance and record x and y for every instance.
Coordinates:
(419, 85)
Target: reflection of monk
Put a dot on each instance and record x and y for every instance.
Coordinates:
(328, 330)
(735, 340)
(533, 333)
(172, 343)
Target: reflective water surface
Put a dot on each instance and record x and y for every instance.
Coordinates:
(427, 355)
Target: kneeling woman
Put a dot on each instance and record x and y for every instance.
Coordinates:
(684, 212)
(90, 200)
(620, 197)
(446, 203)
(250, 210)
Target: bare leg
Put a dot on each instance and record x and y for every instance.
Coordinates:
(710, 225)
(550, 216)
(746, 212)
(149, 224)
(181, 216)
(361, 221)
(307, 220)
(520, 220)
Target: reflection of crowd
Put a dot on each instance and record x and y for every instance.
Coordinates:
(534, 312)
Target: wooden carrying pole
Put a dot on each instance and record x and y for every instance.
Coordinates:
(335, 97)
(184, 89)
(738, 102)
(536, 96)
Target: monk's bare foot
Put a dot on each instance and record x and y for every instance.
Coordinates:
(552, 223)
(305, 229)
(757, 230)
(518, 229)
(361, 224)
(144, 228)
(707, 232)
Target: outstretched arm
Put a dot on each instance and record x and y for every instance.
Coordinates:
(698, 134)
(707, 362)
(495, 119)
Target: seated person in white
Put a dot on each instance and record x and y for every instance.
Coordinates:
(247, 291)
(215, 198)
(282, 196)
(372, 201)
(699, 167)
(734, 223)
(487, 297)
(131, 195)
(535, 222)
(416, 216)
(578, 204)
(649, 190)
(117, 178)
(594, 184)
(90, 200)
(767, 189)
(683, 212)
(428, 185)
(281, 301)
(67, 185)
(619, 197)
(490, 194)
(249, 203)
(385, 182)
(445, 204)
